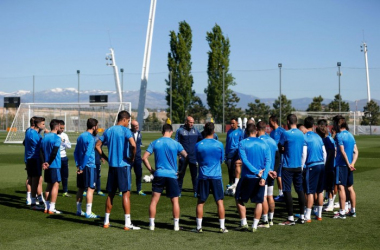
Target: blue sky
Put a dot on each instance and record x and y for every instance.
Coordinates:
(53, 39)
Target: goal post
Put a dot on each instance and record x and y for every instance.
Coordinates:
(74, 115)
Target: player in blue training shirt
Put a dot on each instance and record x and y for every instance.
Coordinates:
(165, 174)
(292, 146)
(269, 204)
(84, 156)
(234, 136)
(209, 153)
(255, 155)
(314, 181)
(187, 135)
(330, 148)
(346, 157)
(32, 144)
(121, 153)
(275, 134)
(52, 165)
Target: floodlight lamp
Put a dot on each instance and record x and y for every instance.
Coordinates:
(280, 65)
(338, 64)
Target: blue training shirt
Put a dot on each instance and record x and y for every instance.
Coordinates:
(165, 152)
(32, 144)
(232, 142)
(314, 145)
(293, 140)
(84, 153)
(347, 140)
(117, 140)
(255, 155)
(275, 134)
(210, 154)
(273, 148)
(50, 141)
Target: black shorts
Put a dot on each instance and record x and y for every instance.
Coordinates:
(269, 181)
(33, 167)
(53, 175)
(249, 188)
(170, 184)
(118, 178)
(213, 185)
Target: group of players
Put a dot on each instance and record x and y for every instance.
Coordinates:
(311, 161)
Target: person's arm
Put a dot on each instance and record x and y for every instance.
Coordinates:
(67, 143)
(343, 152)
(354, 159)
(98, 148)
(89, 150)
(133, 147)
(53, 155)
(324, 154)
(245, 161)
(146, 162)
(183, 153)
(267, 163)
(304, 156)
(277, 161)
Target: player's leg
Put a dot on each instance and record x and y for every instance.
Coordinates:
(56, 179)
(257, 197)
(298, 181)
(194, 175)
(243, 215)
(65, 176)
(242, 195)
(112, 185)
(98, 189)
(217, 190)
(153, 209)
(40, 195)
(280, 196)
(79, 196)
(182, 165)
(341, 173)
(137, 167)
(90, 180)
(287, 178)
(173, 192)
(28, 190)
(176, 212)
(350, 187)
(265, 210)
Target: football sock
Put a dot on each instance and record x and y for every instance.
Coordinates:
(270, 215)
(52, 206)
(79, 207)
(255, 223)
(40, 198)
(88, 208)
(265, 217)
(221, 221)
(334, 198)
(320, 211)
(302, 216)
(352, 210)
(308, 213)
(47, 205)
(33, 201)
(243, 222)
(236, 181)
(151, 222)
(331, 203)
(280, 193)
(127, 220)
(291, 218)
(28, 196)
(106, 218)
(176, 222)
(342, 212)
(199, 223)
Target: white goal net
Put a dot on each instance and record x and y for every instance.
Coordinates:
(74, 115)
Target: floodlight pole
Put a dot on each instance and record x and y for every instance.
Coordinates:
(280, 66)
(364, 49)
(78, 73)
(171, 95)
(339, 74)
(122, 83)
(223, 101)
(33, 87)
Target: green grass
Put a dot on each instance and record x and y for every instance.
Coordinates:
(21, 228)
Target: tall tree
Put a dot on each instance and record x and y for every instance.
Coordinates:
(372, 113)
(334, 105)
(231, 110)
(217, 69)
(316, 104)
(286, 108)
(258, 110)
(197, 110)
(179, 64)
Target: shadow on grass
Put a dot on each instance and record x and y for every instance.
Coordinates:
(13, 201)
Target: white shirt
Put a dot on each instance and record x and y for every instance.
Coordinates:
(135, 135)
(65, 143)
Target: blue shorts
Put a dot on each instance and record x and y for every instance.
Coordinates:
(289, 177)
(87, 179)
(33, 167)
(213, 185)
(53, 175)
(344, 176)
(118, 178)
(170, 184)
(269, 181)
(314, 179)
(249, 188)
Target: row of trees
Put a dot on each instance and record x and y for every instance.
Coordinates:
(184, 101)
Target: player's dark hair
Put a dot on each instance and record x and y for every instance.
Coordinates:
(292, 119)
(251, 128)
(31, 121)
(261, 126)
(234, 119)
(91, 122)
(322, 132)
(273, 118)
(53, 124)
(38, 120)
(209, 128)
(322, 122)
(61, 122)
(308, 122)
(123, 114)
(167, 128)
(339, 122)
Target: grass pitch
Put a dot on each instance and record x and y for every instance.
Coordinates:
(21, 228)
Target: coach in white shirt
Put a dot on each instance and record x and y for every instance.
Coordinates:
(65, 143)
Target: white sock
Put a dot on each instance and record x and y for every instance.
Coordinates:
(222, 221)
(176, 222)
(331, 203)
(255, 223)
(352, 210)
(33, 201)
(270, 215)
(308, 213)
(334, 198)
(302, 216)
(342, 212)
(280, 193)
(199, 223)
(264, 217)
(28, 196)
(236, 181)
(79, 207)
(52, 206)
(127, 220)
(291, 218)
(88, 208)
(320, 211)
(349, 205)
(243, 222)
(151, 222)
(106, 218)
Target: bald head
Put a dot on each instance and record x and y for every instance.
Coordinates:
(189, 122)
(134, 126)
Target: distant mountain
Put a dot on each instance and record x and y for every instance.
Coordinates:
(154, 100)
